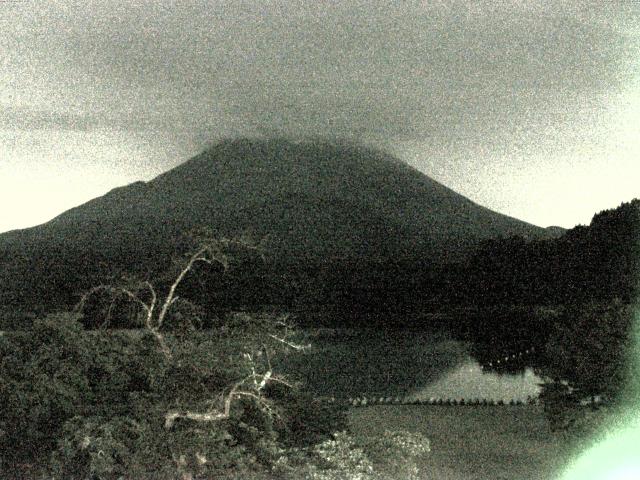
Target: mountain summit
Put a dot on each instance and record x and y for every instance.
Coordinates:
(313, 200)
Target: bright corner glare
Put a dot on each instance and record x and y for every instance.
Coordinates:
(617, 456)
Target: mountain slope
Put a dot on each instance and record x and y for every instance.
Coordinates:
(314, 201)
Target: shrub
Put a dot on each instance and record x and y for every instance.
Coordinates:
(43, 383)
(396, 454)
(84, 404)
(338, 458)
(12, 319)
(306, 420)
(587, 355)
(393, 455)
(95, 447)
(123, 447)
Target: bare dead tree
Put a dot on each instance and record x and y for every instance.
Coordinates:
(261, 374)
(155, 309)
(276, 336)
(266, 337)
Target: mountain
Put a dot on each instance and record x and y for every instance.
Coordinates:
(555, 231)
(314, 201)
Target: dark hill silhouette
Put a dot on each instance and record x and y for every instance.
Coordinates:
(315, 201)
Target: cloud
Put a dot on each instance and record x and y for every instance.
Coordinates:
(373, 69)
(15, 118)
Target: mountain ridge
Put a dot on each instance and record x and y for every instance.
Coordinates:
(313, 200)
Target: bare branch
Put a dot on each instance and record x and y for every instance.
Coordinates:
(264, 380)
(163, 345)
(198, 256)
(252, 386)
(295, 346)
(171, 417)
(203, 259)
(282, 381)
(114, 291)
(235, 392)
(210, 416)
(152, 305)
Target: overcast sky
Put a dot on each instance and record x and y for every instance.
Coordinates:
(529, 108)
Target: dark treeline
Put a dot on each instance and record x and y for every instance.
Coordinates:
(598, 262)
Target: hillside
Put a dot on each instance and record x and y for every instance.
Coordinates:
(314, 201)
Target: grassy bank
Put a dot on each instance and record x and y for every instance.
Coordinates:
(476, 443)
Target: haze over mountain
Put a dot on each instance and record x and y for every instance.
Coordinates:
(312, 200)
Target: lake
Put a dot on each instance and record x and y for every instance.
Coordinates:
(411, 364)
(470, 381)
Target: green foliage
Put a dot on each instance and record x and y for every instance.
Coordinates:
(589, 348)
(396, 454)
(587, 355)
(110, 448)
(566, 415)
(167, 401)
(15, 319)
(95, 447)
(81, 403)
(43, 383)
(184, 317)
(343, 457)
(305, 420)
(338, 458)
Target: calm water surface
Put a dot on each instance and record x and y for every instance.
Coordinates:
(414, 364)
(470, 381)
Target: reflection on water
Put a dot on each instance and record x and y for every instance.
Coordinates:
(356, 362)
(470, 381)
(353, 362)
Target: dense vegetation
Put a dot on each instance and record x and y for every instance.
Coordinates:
(109, 404)
(169, 400)
(588, 357)
(80, 403)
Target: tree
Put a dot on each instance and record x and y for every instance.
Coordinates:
(148, 402)
(144, 295)
(155, 310)
(587, 355)
(111, 403)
